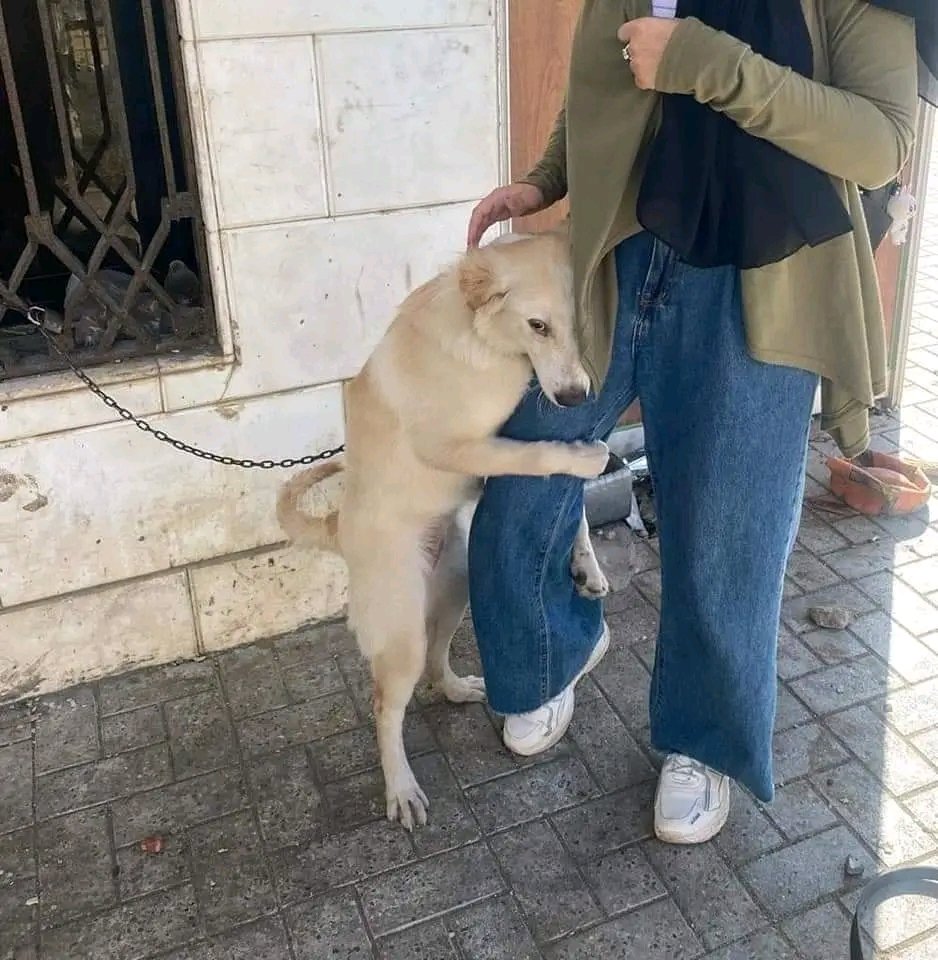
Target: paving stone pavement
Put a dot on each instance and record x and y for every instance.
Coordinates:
(257, 769)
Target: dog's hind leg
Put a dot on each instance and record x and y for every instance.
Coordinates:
(446, 606)
(388, 608)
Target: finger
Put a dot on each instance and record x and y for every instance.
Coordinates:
(626, 31)
(477, 225)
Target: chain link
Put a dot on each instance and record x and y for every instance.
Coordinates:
(36, 315)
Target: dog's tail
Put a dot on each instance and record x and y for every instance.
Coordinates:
(299, 526)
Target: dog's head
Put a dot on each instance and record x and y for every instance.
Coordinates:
(521, 294)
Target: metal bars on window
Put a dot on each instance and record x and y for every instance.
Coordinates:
(99, 213)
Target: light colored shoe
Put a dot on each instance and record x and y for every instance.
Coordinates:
(530, 733)
(692, 803)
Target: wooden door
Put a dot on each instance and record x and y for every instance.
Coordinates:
(540, 33)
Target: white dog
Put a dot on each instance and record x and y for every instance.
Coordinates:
(422, 423)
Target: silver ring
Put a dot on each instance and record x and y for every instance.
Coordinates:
(627, 53)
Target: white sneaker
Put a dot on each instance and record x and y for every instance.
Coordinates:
(692, 803)
(529, 733)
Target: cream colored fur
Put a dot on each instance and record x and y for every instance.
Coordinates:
(422, 423)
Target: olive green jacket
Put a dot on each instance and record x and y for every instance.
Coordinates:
(820, 308)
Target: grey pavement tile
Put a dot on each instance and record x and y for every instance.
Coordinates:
(74, 866)
(926, 743)
(794, 658)
(632, 620)
(252, 681)
(323, 641)
(796, 877)
(625, 681)
(803, 750)
(599, 826)
(101, 780)
(606, 745)
(655, 932)
(888, 830)
(132, 730)
(445, 882)
(493, 930)
(818, 536)
(648, 584)
(530, 793)
(843, 685)
(135, 930)
(901, 602)
(795, 609)
(66, 730)
(909, 657)
(16, 786)
(16, 722)
(311, 869)
(310, 680)
(475, 750)
(140, 872)
(708, 893)
(822, 933)
(864, 559)
(154, 685)
(429, 941)
(767, 945)
(450, 822)
(356, 751)
(925, 949)
(17, 855)
(858, 529)
(913, 709)
(748, 832)
(18, 918)
(356, 800)
(924, 807)
(300, 723)
(800, 811)
(886, 755)
(921, 575)
(623, 880)
(289, 804)
(809, 573)
(263, 940)
(174, 807)
(833, 646)
(200, 734)
(330, 927)
(789, 710)
(230, 876)
(550, 890)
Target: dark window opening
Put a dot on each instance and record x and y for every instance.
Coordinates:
(99, 209)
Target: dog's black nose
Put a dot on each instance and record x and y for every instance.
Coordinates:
(571, 397)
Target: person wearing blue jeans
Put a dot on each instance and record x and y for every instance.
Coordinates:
(727, 513)
(712, 155)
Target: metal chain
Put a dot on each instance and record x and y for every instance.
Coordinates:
(36, 315)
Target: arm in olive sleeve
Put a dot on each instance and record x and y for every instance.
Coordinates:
(859, 128)
(550, 173)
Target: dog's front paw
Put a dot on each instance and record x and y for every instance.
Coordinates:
(588, 460)
(588, 576)
(407, 803)
(463, 689)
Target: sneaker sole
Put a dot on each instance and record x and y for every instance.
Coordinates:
(683, 838)
(599, 651)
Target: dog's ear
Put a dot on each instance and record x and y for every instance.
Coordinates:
(478, 280)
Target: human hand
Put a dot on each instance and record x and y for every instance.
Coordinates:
(515, 200)
(646, 39)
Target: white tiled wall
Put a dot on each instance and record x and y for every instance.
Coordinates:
(340, 147)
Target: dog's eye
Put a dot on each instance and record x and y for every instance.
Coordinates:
(539, 327)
